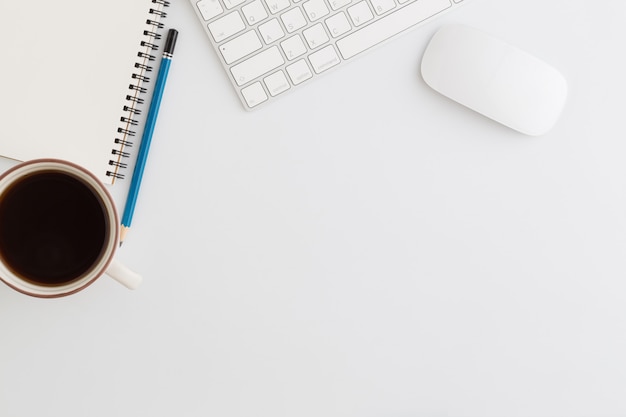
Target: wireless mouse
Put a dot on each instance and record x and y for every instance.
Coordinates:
(494, 78)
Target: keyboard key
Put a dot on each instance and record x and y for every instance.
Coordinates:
(293, 47)
(337, 4)
(315, 9)
(299, 72)
(232, 3)
(276, 83)
(324, 59)
(360, 13)
(338, 24)
(226, 26)
(257, 65)
(315, 36)
(293, 19)
(254, 94)
(271, 31)
(254, 12)
(389, 25)
(240, 46)
(209, 8)
(383, 6)
(276, 6)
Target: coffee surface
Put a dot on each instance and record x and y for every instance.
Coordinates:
(53, 228)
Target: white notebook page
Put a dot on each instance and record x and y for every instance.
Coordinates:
(64, 76)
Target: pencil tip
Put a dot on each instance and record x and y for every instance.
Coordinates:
(123, 231)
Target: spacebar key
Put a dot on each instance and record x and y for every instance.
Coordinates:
(390, 25)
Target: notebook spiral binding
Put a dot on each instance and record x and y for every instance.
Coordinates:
(146, 54)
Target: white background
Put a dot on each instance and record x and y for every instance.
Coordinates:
(361, 247)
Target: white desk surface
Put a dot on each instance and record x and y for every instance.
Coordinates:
(362, 247)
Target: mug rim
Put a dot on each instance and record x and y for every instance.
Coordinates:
(104, 260)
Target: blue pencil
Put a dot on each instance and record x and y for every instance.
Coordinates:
(142, 155)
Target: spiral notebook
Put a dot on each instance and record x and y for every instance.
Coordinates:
(72, 79)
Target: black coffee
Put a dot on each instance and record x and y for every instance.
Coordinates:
(53, 228)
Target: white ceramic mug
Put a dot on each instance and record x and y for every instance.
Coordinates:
(104, 261)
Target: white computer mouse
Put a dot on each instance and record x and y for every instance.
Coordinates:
(495, 79)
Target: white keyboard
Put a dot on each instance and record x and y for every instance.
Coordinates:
(269, 47)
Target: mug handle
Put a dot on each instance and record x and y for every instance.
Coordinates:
(123, 275)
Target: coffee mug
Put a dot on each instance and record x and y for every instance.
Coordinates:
(59, 230)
